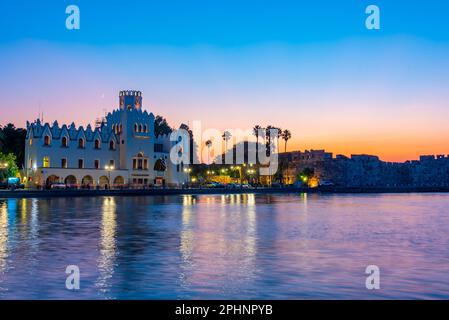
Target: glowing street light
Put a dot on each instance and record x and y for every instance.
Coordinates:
(109, 169)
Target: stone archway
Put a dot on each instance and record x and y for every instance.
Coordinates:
(51, 180)
(103, 181)
(87, 181)
(119, 181)
(70, 181)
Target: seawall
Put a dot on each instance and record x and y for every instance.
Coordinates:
(166, 192)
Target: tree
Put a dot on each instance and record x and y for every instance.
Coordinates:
(208, 145)
(256, 131)
(268, 141)
(286, 135)
(12, 140)
(305, 175)
(161, 126)
(2, 139)
(278, 137)
(8, 166)
(226, 137)
(192, 144)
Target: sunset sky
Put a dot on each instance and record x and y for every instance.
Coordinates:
(309, 66)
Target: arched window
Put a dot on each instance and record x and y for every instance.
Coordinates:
(81, 143)
(46, 140)
(135, 127)
(140, 128)
(140, 162)
(145, 128)
(120, 129)
(111, 145)
(64, 142)
(97, 144)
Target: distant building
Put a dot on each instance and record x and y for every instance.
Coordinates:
(121, 150)
(366, 170)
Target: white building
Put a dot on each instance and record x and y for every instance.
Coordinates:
(122, 151)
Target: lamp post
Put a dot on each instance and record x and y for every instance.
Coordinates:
(251, 172)
(4, 166)
(188, 171)
(109, 169)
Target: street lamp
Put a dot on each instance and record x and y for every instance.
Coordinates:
(109, 169)
(188, 171)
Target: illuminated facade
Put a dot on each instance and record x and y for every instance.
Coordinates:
(122, 150)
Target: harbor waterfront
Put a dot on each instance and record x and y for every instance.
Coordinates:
(211, 191)
(226, 246)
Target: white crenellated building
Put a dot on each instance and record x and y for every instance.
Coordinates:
(123, 150)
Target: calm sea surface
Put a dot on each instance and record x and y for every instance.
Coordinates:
(226, 246)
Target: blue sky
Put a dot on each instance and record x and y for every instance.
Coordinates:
(226, 23)
(310, 66)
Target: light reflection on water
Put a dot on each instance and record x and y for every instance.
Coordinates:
(226, 246)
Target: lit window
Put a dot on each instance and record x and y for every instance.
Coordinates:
(47, 140)
(46, 162)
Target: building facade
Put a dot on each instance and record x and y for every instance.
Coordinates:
(366, 170)
(121, 151)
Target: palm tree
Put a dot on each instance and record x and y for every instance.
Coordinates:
(256, 131)
(268, 139)
(226, 137)
(208, 145)
(286, 135)
(278, 137)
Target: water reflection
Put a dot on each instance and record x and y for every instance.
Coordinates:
(108, 246)
(218, 242)
(225, 246)
(186, 238)
(3, 236)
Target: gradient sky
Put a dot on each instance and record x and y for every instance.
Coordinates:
(309, 66)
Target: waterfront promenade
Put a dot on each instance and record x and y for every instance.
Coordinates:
(198, 191)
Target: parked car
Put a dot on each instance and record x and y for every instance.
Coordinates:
(12, 184)
(326, 184)
(58, 186)
(214, 185)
